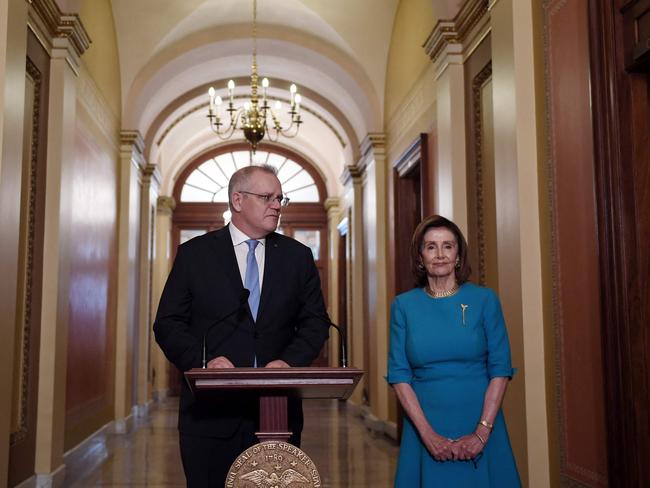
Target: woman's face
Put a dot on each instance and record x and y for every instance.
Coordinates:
(439, 252)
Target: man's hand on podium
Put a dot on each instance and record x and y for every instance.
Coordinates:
(278, 363)
(220, 362)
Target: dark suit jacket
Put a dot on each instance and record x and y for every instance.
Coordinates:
(205, 285)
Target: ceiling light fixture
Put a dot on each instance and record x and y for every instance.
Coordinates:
(253, 117)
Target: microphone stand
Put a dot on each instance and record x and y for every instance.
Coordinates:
(342, 336)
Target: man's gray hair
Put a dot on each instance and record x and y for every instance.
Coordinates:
(241, 177)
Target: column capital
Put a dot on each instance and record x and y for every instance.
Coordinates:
(374, 141)
(332, 205)
(132, 148)
(133, 139)
(151, 175)
(165, 205)
(447, 42)
(63, 33)
(351, 174)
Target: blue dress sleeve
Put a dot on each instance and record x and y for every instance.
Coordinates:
(499, 363)
(399, 368)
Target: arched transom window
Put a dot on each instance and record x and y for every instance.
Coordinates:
(209, 181)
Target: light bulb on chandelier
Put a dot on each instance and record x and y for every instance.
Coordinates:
(256, 118)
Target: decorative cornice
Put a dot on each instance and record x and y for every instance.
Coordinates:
(409, 158)
(132, 148)
(351, 174)
(133, 140)
(59, 25)
(375, 141)
(165, 205)
(456, 31)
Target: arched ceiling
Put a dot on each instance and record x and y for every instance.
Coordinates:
(335, 51)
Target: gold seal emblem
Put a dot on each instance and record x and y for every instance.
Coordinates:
(273, 464)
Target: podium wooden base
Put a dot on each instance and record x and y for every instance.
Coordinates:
(275, 462)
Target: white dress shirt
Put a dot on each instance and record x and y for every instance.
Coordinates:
(241, 252)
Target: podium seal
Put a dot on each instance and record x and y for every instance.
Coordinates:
(273, 464)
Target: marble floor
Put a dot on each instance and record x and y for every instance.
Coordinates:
(344, 451)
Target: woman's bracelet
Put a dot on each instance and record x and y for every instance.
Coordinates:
(486, 424)
(479, 438)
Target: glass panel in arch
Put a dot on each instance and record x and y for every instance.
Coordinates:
(191, 194)
(305, 194)
(242, 158)
(212, 169)
(226, 163)
(299, 180)
(260, 158)
(276, 160)
(209, 182)
(221, 195)
(311, 239)
(187, 234)
(288, 169)
(199, 179)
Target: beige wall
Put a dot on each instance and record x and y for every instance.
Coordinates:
(102, 58)
(406, 58)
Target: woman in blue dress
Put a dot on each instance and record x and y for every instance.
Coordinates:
(449, 364)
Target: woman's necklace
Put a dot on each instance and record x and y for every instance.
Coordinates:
(441, 294)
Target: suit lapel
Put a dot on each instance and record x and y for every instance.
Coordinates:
(226, 252)
(272, 274)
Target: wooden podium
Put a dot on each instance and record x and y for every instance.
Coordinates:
(274, 386)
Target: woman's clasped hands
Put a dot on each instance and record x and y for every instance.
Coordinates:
(464, 448)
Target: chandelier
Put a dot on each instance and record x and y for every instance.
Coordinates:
(255, 118)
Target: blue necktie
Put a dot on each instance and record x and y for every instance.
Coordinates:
(252, 279)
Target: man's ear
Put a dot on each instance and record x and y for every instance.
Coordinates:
(236, 202)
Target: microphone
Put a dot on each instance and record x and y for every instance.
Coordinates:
(243, 300)
(342, 335)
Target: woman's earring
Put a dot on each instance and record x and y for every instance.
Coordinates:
(457, 263)
(420, 265)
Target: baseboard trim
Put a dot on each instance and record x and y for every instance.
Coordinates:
(54, 479)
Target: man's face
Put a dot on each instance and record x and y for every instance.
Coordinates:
(252, 215)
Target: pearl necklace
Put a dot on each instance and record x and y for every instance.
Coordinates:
(441, 294)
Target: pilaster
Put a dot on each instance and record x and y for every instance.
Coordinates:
(161, 265)
(519, 220)
(352, 179)
(132, 170)
(66, 40)
(373, 166)
(332, 206)
(148, 203)
(448, 45)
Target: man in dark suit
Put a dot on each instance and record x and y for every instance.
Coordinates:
(283, 324)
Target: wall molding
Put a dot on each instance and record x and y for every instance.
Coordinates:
(477, 86)
(405, 122)
(457, 30)
(56, 29)
(92, 100)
